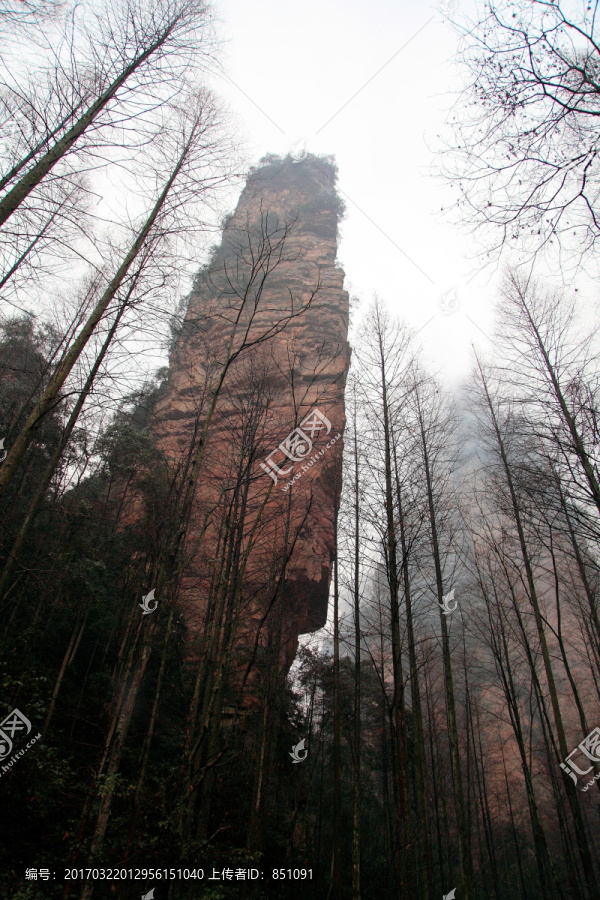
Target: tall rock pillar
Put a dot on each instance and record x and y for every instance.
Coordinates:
(266, 332)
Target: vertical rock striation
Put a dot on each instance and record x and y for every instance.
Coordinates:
(269, 312)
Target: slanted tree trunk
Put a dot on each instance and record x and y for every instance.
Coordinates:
(76, 635)
(113, 755)
(63, 144)
(50, 396)
(59, 449)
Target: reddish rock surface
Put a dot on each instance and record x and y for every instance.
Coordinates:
(269, 390)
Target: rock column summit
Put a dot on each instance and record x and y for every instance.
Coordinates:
(270, 314)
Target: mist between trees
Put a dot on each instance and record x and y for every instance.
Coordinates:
(459, 668)
(482, 502)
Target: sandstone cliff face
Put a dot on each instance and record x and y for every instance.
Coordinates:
(269, 313)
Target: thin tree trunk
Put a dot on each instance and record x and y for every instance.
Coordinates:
(58, 451)
(337, 728)
(114, 758)
(426, 885)
(50, 397)
(516, 841)
(406, 873)
(435, 781)
(464, 843)
(149, 735)
(21, 190)
(581, 566)
(577, 440)
(570, 788)
(356, 791)
(67, 659)
(501, 651)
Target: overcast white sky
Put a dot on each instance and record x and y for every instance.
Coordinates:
(371, 84)
(294, 69)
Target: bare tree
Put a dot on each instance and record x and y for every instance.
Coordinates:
(356, 597)
(186, 147)
(492, 572)
(533, 594)
(19, 16)
(382, 359)
(126, 51)
(524, 154)
(435, 426)
(553, 369)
